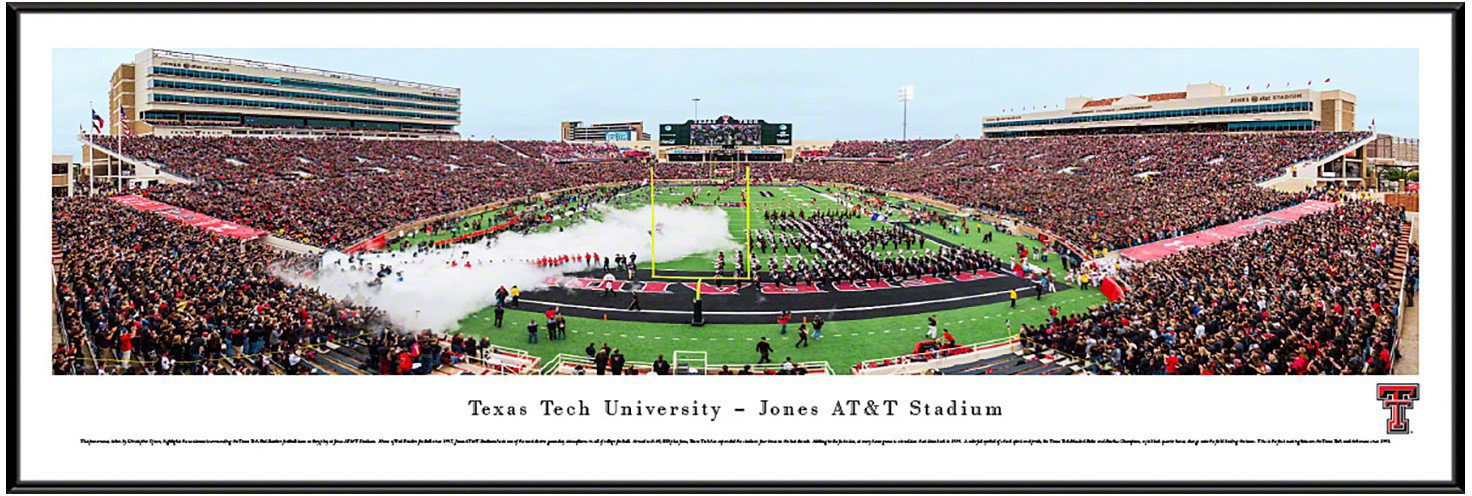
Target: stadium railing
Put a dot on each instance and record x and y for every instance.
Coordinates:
(565, 364)
(915, 363)
(1291, 171)
(497, 360)
(159, 169)
(1401, 299)
(66, 337)
(505, 360)
(94, 355)
(1090, 366)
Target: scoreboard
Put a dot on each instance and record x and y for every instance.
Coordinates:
(725, 131)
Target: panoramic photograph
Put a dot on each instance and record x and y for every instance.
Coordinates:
(735, 211)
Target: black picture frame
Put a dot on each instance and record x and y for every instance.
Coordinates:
(13, 17)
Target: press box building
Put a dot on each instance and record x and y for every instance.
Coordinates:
(169, 93)
(1201, 108)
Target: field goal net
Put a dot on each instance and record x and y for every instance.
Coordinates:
(664, 191)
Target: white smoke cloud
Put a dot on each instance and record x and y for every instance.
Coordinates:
(435, 295)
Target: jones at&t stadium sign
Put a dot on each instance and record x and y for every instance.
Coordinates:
(1302, 95)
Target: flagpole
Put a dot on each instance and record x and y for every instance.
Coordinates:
(92, 167)
(92, 173)
(118, 175)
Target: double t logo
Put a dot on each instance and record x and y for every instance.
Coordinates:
(1398, 398)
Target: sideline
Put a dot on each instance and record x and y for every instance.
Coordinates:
(1020, 291)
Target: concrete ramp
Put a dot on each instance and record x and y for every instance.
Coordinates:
(1305, 174)
(291, 246)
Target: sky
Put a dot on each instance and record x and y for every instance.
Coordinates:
(824, 93)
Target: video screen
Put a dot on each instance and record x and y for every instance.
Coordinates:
(725, 134)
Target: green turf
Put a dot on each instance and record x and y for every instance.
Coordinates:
(845, 343)
(786, 198)
(1002, 245)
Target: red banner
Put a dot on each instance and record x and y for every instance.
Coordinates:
(176, 214)
(1162, 249)
(469, 235)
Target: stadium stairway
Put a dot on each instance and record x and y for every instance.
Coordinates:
(513, 150)
(341, 359)
(1015, 364)
(87, 364)
(973, 368)
(1402, 258)
(1058, 367)
(942, 145)
(350, 357)
(84, 366)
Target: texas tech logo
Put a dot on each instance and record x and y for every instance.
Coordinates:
(1398, 398)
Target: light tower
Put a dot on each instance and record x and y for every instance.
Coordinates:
(907, 93)
(696, 100)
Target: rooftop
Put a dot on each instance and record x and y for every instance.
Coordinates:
(199, 57)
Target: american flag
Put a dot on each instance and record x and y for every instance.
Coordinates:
(123, 121)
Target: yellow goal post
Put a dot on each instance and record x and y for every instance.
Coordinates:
(654, 180)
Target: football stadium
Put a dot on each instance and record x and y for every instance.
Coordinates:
(236, 217)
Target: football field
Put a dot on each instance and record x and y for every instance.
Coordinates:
(844, 343)
(764, 198)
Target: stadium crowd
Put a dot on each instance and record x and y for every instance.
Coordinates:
(883, 149)
(1311, 297)
(250, 159)
(1100, 192)
(147, 294)
(560, 151)
(336, 212)
(1306, 298)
